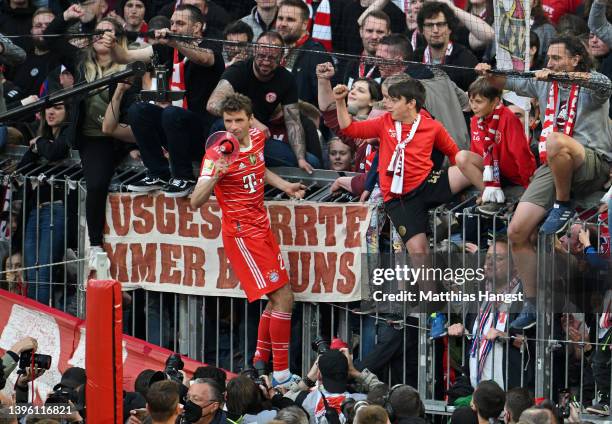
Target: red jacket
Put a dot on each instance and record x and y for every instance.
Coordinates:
(516, 162)
(418, 164)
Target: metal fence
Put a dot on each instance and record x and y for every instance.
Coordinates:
(390, 338)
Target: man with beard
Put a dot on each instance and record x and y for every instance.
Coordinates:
(374, 27)
(490, 324)
(268, 84)
(437, 22)
(28, 77)
(292, 25)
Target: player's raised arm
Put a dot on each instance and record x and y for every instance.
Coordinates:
(211, 174)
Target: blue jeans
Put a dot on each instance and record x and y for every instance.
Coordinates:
(276, 152)
(180, 131)
(44, 244)
(279, 153)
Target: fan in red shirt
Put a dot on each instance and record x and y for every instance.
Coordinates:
(409, 183)
(249, 244)
(500, 156)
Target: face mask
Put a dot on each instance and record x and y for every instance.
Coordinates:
(191, 412)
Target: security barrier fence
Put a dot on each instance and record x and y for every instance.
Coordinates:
(566, 351)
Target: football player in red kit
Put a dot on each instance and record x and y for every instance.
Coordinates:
(250, 246)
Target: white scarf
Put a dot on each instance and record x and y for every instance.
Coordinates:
(427, 54)
(396, 165)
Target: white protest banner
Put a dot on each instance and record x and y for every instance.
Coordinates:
(160, 243)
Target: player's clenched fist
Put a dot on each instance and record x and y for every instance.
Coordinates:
(340, 91)
(221, 167)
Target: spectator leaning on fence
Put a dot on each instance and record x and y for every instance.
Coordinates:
(263, 80)
(575, 152)
(408, 182)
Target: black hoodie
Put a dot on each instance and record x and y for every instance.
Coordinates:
(17, 22)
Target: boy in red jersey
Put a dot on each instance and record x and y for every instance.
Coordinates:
(408, 181)
(249, 244)
(500, 155)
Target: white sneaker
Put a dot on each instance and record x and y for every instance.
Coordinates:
(92, 256)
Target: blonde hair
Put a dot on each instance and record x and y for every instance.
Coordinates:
(92, 69)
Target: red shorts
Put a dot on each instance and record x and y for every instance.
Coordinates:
(258, 264)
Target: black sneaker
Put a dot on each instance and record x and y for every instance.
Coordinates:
(178, 187)
(147, 184)
(490, 208)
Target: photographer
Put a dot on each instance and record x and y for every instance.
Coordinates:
(332, 370)
(253, 400)
(11, 358)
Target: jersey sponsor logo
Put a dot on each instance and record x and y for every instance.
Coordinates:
(252, 159)
(241, 166)
(271, 97)
(249, 182)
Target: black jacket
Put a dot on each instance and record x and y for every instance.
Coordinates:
(17, 22)
(460, 56)
(305, 70)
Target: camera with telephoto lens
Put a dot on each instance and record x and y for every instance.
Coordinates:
(174, 364)
(320, 345)
(36, 360)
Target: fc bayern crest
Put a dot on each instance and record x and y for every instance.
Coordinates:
(270, 97)
(273, 276)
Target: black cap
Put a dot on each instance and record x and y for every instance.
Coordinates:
(73, 377)
(333, 366)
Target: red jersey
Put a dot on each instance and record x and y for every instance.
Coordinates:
(417, 157)
(516, 162)
(240, 192)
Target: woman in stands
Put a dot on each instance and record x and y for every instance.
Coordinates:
(44, 236)
(99, 152)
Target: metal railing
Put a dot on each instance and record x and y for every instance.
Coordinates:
(222, 331)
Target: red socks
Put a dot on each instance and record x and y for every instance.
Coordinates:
(280, 332)
(263, 349)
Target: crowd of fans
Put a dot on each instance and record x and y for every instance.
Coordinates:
(289, 75)
(332, 392)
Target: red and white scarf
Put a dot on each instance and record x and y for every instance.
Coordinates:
(321, 28)
(396, 164)
(299, 43)
(427, 53)
(490, 157)
(177, 83)
(550, 123)
(362, 71)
